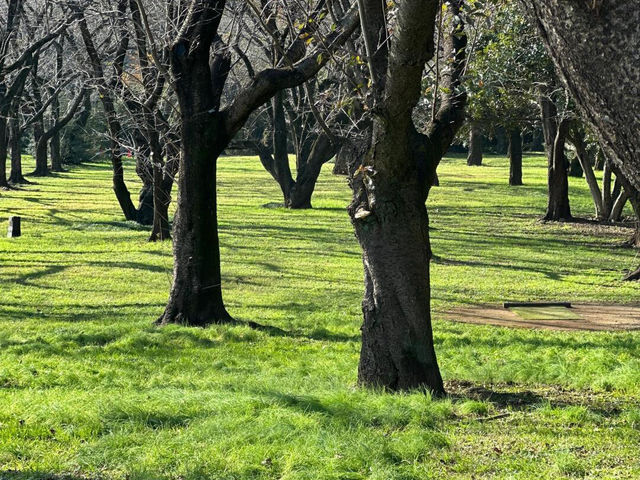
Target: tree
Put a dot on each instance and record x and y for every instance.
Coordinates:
(200, 64)
(391, 186)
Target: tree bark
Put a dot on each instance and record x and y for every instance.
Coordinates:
(475, 146)
(515, 157)
(579, 34)
(555, 131)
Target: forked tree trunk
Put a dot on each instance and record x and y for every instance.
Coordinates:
(475, 146)
(4, 151)
(558, 208)
(515, 157)
(306, 178)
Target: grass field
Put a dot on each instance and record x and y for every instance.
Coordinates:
(89, 389)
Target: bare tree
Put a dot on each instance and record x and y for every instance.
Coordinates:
(200, 63)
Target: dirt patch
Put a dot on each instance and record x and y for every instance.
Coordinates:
(584, 317)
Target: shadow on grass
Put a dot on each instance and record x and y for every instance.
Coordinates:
(36, 475)
(318, 334)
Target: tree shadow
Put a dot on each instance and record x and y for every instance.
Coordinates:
(318, 334)
(37, 475)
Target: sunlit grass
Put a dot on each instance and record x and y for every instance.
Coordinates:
(90, 389)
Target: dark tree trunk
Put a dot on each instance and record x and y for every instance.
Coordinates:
(4, 151)
(388, 209)
(515, 157)
(322, 151)
(555, 132)
(578, 36)
(196, 293)
(16, 177)
(282, 170)
(163, 178)
(475, 146)
(397, 344)
(558, 208)
(56, 154)
(42, 151)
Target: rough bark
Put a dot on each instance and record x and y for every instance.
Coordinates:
(558, 208)
(579, 35)
(515, 157)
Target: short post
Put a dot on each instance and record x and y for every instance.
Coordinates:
(14, 227)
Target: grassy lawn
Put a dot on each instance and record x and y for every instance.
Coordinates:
(89, 389)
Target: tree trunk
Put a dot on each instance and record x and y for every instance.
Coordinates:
(397, 343)
(322, 151)
(515, 157)
(280, 154)
(4, 150)
(196, 293)
(618, 206)
(607, 199)
(475, 146)
(16, 177)
(42, 151)
(558, 208)
(56, 154)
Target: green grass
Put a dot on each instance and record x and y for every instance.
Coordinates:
(90, 389)
(545, 313)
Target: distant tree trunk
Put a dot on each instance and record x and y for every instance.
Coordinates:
(502, 142)
(322, 151)
(4, 150)
(558, 206)
(555, 132)
(42, 151)
(280, 154)
(475, 146)
(163, 177)
(16, 177)
(515, 157)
